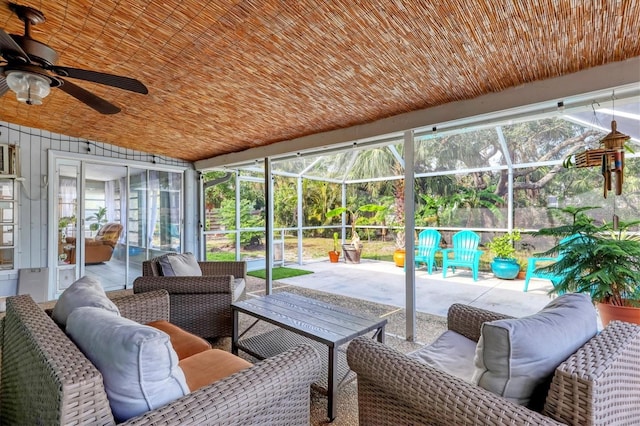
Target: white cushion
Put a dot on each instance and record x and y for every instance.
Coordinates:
(238, 288)
(137, 362)
(180, 265)
(451, 352)
(84, 292)
(515, 356)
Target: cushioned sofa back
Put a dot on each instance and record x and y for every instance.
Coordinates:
(109, 233)
(45, 378)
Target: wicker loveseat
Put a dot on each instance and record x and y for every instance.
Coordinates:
(597, 385)
(199, 304)
(46, 379)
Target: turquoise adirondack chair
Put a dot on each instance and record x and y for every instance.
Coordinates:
(534, 263)
(465, 253)
(428, 245)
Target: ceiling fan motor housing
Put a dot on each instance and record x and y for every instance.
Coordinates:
(38, 52)
(31, 69)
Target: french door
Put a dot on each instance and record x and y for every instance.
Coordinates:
(107, 219)
(89, 237)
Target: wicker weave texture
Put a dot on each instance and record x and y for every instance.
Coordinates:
(236, 268)
(225, 76)
(276, 341)
(467, 320)
(202, 304)
(273, 392)
(47, 380)
(393, 386)
(144, 308)
(598, 385)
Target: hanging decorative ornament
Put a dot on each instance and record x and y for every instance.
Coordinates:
(614, 143)
(610, 157)
(615, 139)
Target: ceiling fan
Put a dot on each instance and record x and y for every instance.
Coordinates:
(29, 69)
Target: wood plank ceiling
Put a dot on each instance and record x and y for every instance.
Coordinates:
(224, 76)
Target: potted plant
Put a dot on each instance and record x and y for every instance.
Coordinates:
(398, 191)
(601, 260)
(524, 263)
(334, 255)
(505, 264)
(63, 223)
(399, 254)
(100, 217)
(353, 251)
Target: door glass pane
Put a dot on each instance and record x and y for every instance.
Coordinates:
(105, 253)
(137, 205)
(164, 212)
(66, 216)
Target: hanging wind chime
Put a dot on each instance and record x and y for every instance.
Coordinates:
(610, 157)
(614, 145)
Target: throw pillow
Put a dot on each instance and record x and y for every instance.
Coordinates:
(514, 357)
(180, 265)
(137, 362)
(86, 291)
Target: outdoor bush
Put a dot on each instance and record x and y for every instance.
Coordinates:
(249, 218)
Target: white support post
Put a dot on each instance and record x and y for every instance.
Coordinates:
(409, 226)
(505, 151)
(203, 218)
(237, 215)
(300, 221)
(268, 196)
(344, 204)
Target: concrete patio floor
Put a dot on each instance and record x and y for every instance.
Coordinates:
(383, 282)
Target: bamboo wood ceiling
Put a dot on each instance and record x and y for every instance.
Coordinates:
(225, 76)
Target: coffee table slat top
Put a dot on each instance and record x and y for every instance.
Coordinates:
(329, 324)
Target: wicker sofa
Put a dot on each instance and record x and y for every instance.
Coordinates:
(597, 385)
(200, 304)
(47, 380)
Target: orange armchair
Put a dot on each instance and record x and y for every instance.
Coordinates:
(99, 248)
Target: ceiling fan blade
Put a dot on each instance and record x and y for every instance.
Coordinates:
(126, 83)
(95, 102)
(3, 86)
(9, 47)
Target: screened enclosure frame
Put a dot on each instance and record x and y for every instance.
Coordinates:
(591, 111)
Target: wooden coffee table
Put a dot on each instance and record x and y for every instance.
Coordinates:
(301, 319)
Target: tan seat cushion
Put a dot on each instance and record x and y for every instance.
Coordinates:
(209, 366)
(184, 343)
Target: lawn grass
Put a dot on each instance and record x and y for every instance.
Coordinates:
(376, 256)
(279, 273)
(221, 256)
(317, 247)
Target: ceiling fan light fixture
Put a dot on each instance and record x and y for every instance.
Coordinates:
(29, 88)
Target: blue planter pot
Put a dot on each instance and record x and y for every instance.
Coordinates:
(506, 269)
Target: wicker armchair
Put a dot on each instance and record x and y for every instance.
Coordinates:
(597, 385)
(200, 305)
(46, 379)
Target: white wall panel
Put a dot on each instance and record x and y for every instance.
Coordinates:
(34, 144)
